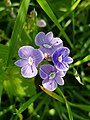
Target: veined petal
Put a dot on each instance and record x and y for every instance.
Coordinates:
(37, 56)
(59, 80)
(61, 73)
(29, 71)
(68, 60)
(42, 74)
(40, 39)
(25, 52)
(21, 63)
(49, 37)
(46, 50)
(63, 51)
(56, 41)
(55, 57)
(47, 69)
(62, 66)
(50, 85)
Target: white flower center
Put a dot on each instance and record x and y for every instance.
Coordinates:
(47, 45)
(30, 60)
(52, 75)
(60, 58)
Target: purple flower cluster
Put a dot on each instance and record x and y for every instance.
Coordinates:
(52, 48)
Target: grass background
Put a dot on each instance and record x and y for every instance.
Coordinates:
(24, 99)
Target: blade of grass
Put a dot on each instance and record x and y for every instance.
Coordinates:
(87, 58)
(79, 117)
(84, 47)
(67, 105)
(80, 97)
(44, 5)
(67, 13)
(17, 28)
(81, 106)
(26, 104)
(73, 24)
(52, 94)
(60, 99)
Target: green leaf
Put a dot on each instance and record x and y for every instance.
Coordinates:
(26, 104)
(29, 86)
(17, 28)
(1, 88)
(16, 85)
(25, 36)
(3, 51)
(44, 5)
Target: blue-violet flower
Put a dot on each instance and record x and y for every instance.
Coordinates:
(51, 77)
(30, 58)
(61, 58)
(47, 42)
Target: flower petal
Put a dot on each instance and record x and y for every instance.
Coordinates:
(62, 66)
(21, 63)
(61, 73)
(37, 56)
(43, 75)
(68, 60)
(29, 71)
(25, 52)
(49, 37)
(55, 57)
(46, 50)
(59, 80)
(50, 85)
(64, 51)
(46, 69)
(40, 39)
(56, 41)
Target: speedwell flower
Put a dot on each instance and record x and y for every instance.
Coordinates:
(61, 58)
(51, 77)
(47, 42)
(30, 58)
